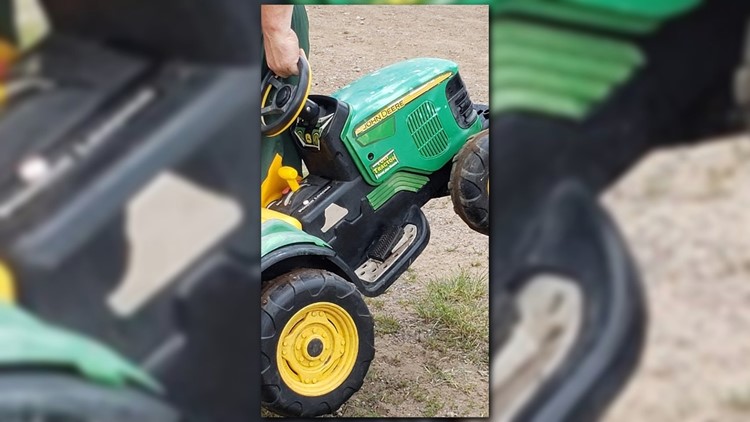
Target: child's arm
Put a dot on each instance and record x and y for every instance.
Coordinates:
(279, 40)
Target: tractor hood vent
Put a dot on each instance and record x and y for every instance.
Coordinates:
(460, 103)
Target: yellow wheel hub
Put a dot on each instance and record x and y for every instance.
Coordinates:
(317, 349)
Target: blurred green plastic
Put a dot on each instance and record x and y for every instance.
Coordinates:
(28, 341)
(553, 71)
(652, 8)
(275, 234)
(507, 54)
(567, 12)
(573, 42)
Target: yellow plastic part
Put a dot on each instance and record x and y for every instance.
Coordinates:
(289, 174)
(7, 285)
(266, 214)
(8, 53)
(273, 185)
(334, 352)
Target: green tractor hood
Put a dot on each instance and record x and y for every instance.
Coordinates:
(402, 119)
(375, 91)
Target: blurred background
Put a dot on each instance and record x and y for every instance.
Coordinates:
(683, 211)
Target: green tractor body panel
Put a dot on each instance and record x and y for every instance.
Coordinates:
(565, 70)
(554, 71)
(650, 8)
(275, 234)
(399, 182)
(28, 341)
(644, 8)
(400, 119)
(571, 13)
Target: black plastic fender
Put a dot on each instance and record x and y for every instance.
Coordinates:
(573, 237)
(305, 255)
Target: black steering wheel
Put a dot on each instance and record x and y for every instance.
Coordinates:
(283, 101)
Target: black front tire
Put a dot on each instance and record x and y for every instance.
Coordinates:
(470, 182)
(282, 299)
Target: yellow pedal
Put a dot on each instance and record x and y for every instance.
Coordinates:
(290, 175)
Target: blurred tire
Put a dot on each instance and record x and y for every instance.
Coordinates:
(42, 397)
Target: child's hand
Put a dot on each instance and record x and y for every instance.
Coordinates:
(282, 53)
(279, 40)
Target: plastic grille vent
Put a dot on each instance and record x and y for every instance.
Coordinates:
(461, 105)
(427, 131)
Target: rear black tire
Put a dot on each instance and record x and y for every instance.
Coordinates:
(281, 301)
(469, 182)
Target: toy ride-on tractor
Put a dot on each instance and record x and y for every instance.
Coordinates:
(376, 151)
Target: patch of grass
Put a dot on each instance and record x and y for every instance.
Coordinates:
(392, 360)
(410, 276)
(376, 304)
(432, 407)
(386, 324)
(457, 309)
(432, 404)
(438, 376)
(364, 404)
(390, 392)
(372, 375)
(419, 394)
(402, 384)
(268, 414)
(360, 412)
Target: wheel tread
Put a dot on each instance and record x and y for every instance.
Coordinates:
(470, 168)
(301, 287)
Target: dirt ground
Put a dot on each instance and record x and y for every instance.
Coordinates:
(408, 378)
(684, 212)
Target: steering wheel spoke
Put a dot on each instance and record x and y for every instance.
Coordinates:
(275, 82)
(286, 101)
(270, 110)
